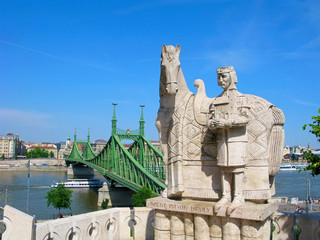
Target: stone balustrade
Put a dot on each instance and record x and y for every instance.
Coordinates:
(122, 223)
(115, 223)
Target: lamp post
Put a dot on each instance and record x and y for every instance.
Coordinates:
(28, 184)
(308, 192)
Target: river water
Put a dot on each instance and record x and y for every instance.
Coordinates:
(83, 200)
(293, 184)
(290, 184)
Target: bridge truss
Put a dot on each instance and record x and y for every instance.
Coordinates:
(139, 165)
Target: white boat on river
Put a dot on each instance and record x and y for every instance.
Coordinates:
(80, 183)
(288, 167)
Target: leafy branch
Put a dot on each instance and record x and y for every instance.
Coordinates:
(313, 160)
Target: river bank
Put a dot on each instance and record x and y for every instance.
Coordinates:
(36, 164)
(14, 185)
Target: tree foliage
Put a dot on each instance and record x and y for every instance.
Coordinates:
(313, 160)
(59, 197)
(139, 199)
(37, 153)
(51, 154)
(104, 204)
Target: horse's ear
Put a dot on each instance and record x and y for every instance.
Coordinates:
(163, 49)
(178, 49)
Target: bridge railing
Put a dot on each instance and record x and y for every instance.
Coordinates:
(128, 132)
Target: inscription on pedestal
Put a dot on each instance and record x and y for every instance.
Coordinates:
(181, 207)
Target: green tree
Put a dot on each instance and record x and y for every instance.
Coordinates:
(37, 153)
(51, 154)
(313, 160)
(139, 199)
(3, 157)
(104, 204)
(59, 197)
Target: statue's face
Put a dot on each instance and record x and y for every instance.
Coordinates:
(224, 80)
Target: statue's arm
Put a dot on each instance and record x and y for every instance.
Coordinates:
(240, 120)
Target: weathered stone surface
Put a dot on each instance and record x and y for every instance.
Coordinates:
(161, 235)
(114, 223)
(189, 225)
(177, 224)
(201, 227)
(104, 193)
(19, 225)
(162, 221)
(215, 228)
(253, 230)
(208, 141)
(231, 229)
(249, 211)
(227, 148)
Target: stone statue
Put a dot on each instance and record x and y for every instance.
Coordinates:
(174, 94)
(229, 118)
(198, 133)
(213, 147)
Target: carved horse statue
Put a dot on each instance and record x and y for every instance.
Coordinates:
(174, 95)
(189, 148)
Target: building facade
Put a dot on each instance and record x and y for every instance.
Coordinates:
(11, 146)
(50, 147)
(98, 145)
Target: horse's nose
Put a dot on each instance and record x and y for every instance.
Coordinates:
(172, 88)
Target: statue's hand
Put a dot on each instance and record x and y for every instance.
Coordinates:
(212, 123)
(222, 123)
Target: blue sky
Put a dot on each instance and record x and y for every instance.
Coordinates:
(63, 63)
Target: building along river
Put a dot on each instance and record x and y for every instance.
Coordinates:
(289, 184)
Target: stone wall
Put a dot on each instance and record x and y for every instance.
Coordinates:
(115, 223)
(284, 223)
(19, 225)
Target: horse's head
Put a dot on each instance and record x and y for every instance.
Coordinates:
(170, 68)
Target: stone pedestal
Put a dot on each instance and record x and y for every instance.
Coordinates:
(104, 193)
(79, 171)
(70, 170)
(190, 219)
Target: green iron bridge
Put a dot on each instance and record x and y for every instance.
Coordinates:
(139, 165)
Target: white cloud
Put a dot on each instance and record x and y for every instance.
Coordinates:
(21, 118)
(104, 68)
(305, 103)
(239, 58)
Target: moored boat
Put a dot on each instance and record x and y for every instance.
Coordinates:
(301, 166)
(80, 183)
(288, 167)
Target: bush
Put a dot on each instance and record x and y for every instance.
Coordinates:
(139, 199)
(313, 160)
(104, 204)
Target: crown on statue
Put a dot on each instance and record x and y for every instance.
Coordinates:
(225, 69)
